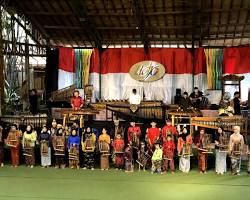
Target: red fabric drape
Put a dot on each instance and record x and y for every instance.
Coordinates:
(176, 61)
(237, 60)
(66, 59)
(95, 61)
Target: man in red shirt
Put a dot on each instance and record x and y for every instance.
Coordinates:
(168, 129)
(134, 133)
(76, 101)
(153, 134)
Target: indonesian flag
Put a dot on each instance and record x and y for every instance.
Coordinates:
(116, 82)
(237, 61)
(66, 72)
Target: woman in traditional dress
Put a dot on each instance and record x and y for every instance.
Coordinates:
(104, 142)
(220, 156)
(184, 146)
(45, 147)
(13, 141)
(59, 148)
(73, 148)
(88, 148)
(202, 155)
(29, 140)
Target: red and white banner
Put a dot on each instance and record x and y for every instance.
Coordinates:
(66, 72)
(237, 61)
(116, 83)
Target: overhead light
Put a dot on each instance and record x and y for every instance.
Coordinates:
(82, 19)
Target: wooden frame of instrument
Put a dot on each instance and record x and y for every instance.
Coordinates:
(215, 122)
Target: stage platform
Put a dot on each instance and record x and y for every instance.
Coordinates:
(52, 184)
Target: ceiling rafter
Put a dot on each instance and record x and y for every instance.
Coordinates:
(138, 13)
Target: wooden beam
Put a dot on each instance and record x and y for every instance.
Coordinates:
(80, 9)
(46, 13)
(138, 13)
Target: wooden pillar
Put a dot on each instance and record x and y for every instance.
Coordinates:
(1, 66)
(27, 71)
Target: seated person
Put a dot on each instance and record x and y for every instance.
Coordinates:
(196, 97)
(185, 102)
(77, 101)
(134, 98)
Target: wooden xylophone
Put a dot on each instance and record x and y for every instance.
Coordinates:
(146, 110)
(226, 122)
(35, 120)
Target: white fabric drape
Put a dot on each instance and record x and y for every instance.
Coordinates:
(120, 85)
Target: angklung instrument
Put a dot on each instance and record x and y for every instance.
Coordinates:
(44, 148)
(223, 143)
(27, 147)
(13, 140)
(135, 140)
(59, 145)
(206, 145)
(143, 158)
(73, 153)
(89, 143)
(104, 148)
(186, 150)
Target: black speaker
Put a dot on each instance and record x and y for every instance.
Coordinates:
(178, 92)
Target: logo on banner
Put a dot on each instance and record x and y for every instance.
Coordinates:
(147, 71)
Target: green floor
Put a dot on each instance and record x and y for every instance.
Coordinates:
(37, 183)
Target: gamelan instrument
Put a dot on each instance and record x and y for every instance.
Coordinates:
(143, 158)
(236, 150)
(206, 145)
(90, 144)
(157, 164)
(186, 150)
(224, 121)
(223, 143)
(44, 148)
(104, 148)
(73, 153)
(27, 147)
(13, 139)
(59, 145)
(135, 140)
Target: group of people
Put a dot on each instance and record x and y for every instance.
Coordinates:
(83, 147)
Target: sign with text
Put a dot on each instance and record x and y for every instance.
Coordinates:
(147, 71)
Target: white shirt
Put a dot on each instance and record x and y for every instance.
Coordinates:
(134, 99)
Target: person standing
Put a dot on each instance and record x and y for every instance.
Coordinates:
(202, 156)
(13, 141)
(45, 147)
(220, 156)
(184, 147)
(104, 147)
(33, 100)
(28, 143)
(236, 143)
(88, 148)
